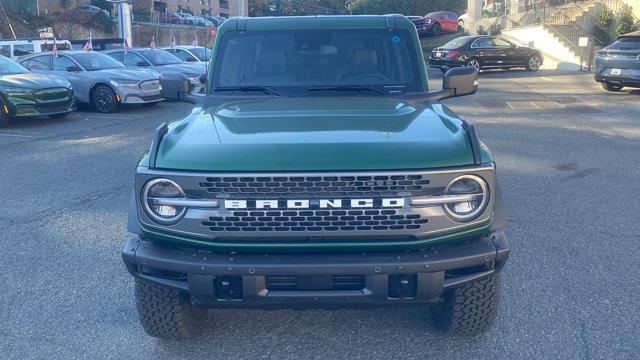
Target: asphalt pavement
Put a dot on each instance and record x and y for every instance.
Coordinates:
(568, 160)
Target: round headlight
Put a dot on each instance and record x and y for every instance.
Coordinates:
(154, 192)
(467, 185)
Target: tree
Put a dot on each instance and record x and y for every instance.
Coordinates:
(625, 23)
(602, 26)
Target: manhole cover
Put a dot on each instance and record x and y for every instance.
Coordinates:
(534, 105)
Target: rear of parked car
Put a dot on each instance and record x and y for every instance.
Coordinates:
(441, 22)
(618, 65)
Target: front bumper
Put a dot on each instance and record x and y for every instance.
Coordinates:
(35, 109)
(309, 280)
(138, 96)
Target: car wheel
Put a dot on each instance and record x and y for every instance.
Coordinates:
(59, 116)
(476, 63)
(534, 63)
(470, 309)
(436, 29)
(104, 99)
(612, 87)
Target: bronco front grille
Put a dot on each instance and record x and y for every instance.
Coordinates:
(314, 221)
(292, 187)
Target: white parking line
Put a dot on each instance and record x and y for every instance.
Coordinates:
(16, 135)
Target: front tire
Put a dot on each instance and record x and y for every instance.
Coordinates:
(104, 99)
(476, 63)
(436, 29)
(470, 309)
(612, 87)
(534, 63)
(165, 312)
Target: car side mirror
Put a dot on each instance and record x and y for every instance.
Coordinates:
(73, 68)
(142, 63)
(177, 87)
(461, 81)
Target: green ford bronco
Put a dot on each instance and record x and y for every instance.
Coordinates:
(317, 170)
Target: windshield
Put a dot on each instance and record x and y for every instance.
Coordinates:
(294, 60)
(8, 66)
(203, 54)
(431, 14)
(92, 61)
(456, 43)
(160, 57)
(626, 44)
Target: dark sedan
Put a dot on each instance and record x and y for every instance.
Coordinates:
(484, 52)
(421, 25)
(618, 65)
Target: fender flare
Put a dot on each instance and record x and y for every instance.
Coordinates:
(499, 211)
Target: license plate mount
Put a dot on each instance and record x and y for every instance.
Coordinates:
(616, 71)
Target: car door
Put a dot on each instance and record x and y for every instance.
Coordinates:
(66, 68)
(507, 53)
(134, 61)
(482, 49)
(184, 55)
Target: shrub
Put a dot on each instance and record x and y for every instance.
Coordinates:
(495, 30)
(102, 22)
(482, 30)
(625, 23)
(602, 25)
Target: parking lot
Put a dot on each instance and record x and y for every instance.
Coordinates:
(567, 154)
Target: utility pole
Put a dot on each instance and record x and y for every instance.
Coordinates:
(124, 20)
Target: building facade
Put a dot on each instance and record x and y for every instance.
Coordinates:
(224, 8)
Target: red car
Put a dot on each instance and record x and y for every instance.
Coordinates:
(441, 22)
(171, 18)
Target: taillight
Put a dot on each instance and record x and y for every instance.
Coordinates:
(453, 53)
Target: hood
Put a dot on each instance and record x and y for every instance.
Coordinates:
(316, 133)
(33, 81)
(186, 68)
(132, 74)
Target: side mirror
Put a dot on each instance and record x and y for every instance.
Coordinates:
(461, 81)
(142, 63)
(177, 87)
(73, 68)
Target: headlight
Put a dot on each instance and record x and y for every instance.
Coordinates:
(125, 82)
(156, 201)
(472, 206)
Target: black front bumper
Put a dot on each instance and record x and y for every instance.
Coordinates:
(309, 280)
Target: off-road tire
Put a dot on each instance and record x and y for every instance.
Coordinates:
(612, 87)
(471, 309)
(165, 312)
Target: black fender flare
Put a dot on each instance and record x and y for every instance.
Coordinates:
(133, 223)
(499, 211)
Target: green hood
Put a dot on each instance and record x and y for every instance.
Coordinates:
(316, 133)
(31, 81)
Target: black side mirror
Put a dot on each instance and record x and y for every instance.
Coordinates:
(142, 63)
(177, 87)
(73, 68)
(461, 81)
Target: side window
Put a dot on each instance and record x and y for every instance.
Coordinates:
(183, 55)
(500, 43)
(131, 59)
(23, 49)
(38, 63)
(481, 43)
(61, 63)
(117, 55)
(5, 50)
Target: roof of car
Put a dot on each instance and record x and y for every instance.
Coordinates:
(317, 22)
(630, 35)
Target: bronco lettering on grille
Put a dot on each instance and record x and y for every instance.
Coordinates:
(319, 203)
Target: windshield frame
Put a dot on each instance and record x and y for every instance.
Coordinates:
(18, 66)
(418, 77)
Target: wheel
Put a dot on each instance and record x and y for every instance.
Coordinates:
(534, 63)
(436, 29)
(165, 312)
(151, 104)
(476, 63)
(471, 309)
(104, 99)
(59, 116)
(612, 87)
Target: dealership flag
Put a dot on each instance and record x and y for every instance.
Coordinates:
(173, 43)
(195, 40)
(88, 46)
(125, 46)
(55, 48)
(153, 42)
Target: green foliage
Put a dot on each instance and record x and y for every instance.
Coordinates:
(65, 4)
(601, 28)
(102, 22)
(625, 23)
(103, 4)
(482, 31)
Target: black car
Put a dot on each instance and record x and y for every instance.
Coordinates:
(618, 65)
(484, 52)
(421, 25)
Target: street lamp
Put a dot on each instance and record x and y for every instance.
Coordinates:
(124, 20)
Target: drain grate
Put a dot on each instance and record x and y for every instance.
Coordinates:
(534, 105)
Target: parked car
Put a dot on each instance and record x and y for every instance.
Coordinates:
(23, 47)
(98, 79)
(89, 10)
(484, 52)
(25, 94)
(618, 65)
(190, 53)
(421, 25)
(160, 61)
(201, 21)
(441, 22)
(214, 20)
(193, 20)
(186, 18)
(171, 18)
(462, 20)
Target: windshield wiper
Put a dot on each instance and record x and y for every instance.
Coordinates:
(345, 88)
(264, 89)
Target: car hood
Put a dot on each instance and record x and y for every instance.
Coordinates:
(190, 68)
(316, 133)
(32, 81)
(131, 74)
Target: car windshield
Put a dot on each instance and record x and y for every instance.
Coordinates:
(626, 44)
(378, 60)
(92, 61)
(8, 66)
(456, 43)
(160, 57)
(431, 14)
(203, 54)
